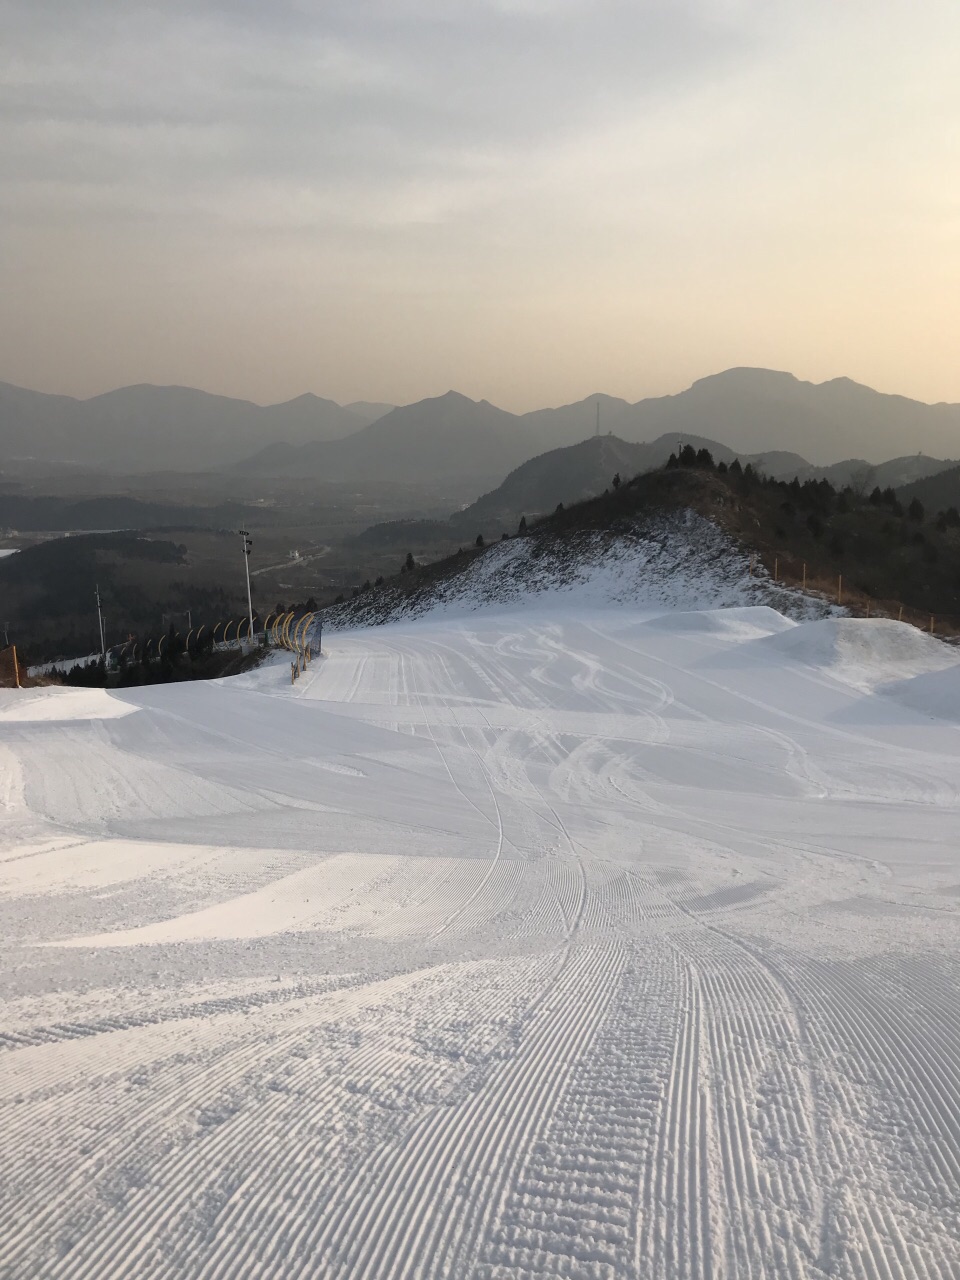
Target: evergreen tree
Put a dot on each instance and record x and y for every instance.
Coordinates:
(479, 541)
(915, 510)
(673, 462)
(735, 468)
(410, 562)
(688, 456)
(616, 481)
(522, 527)
(705, 459)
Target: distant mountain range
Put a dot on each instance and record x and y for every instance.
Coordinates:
(756, 410)
(586, 469)
(146, 428)
(448, 437)
(139, 429)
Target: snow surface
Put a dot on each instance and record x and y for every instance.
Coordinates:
(548, 943)
(31, 705)
(866, 652)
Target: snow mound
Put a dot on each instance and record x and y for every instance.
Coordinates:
(30, 705)
(936, 693)
(749, 623)
(865, 652)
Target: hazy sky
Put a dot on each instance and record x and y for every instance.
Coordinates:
(527, 200)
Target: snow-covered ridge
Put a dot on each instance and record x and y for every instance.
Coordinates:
(675, 560)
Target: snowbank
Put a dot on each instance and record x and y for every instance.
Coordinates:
(864, 652)
(936, 693)
(30, 705)
(747, 623)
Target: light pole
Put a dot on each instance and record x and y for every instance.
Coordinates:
(103, 646)
(247, 544)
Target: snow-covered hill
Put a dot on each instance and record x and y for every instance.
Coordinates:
(667, 560)
(559, 938)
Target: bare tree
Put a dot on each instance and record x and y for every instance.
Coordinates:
(861, 478)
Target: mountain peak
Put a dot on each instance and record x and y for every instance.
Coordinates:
(747, 378)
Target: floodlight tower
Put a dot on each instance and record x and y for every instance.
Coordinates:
(103, 645)
(247, 544)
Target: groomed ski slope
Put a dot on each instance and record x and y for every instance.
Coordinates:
(533, 944)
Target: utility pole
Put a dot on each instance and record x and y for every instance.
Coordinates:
(247, 544)
(103, 644)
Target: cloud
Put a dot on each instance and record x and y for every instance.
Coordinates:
(589, 177)
(359, 97)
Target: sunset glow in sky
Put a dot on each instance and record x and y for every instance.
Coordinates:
(525, 200)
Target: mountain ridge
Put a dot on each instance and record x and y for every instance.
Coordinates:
(146, 427)
(149, 427)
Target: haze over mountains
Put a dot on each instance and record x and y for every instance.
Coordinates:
(443, 438)
(147, 428)
(753, 411)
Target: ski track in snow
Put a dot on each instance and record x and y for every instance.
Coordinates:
(539, 944)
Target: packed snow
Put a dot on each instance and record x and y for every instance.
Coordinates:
(544, 942)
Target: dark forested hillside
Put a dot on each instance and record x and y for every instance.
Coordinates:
(936, 493)
(28, 514)
(48, 591)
